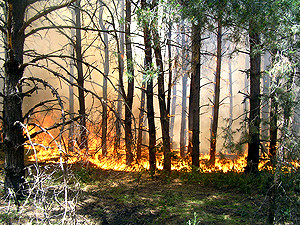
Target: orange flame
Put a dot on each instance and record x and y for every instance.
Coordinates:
(46, 150)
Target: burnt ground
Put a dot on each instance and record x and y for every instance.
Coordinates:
(117, 198)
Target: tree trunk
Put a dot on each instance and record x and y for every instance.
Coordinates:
(254, 119)
(129, 97)
(184, 96)
(273, 128)
(104, 88)
(214, 127)
(150, 107)
(194, 116)
(296, 118)
(172, 115)
(230, 102)
(83, 138)
(141, 122)
(71, 102)
(71, 141)
(12, 104)
(265, 109)
(183, 116)
(246, 85)
(169, 106)
(121, 72)
(164, 116)
(170, 67)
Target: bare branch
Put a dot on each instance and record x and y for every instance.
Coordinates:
(44, 13)
(36, 106)
(53, 127)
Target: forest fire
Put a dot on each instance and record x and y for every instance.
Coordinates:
(46, 151)
(44, 148)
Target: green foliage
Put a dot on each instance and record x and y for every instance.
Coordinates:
(194, 220)
(85, 175)
(150, 74)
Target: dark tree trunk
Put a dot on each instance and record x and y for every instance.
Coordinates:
(12, 104)
(141, 122)
(151, 123)
(71, 101)
(194, 115)
(129, 97)
(104, 88)
(214, 127)
(164, 116)
(83, 138)
(71, 141)
(170, 67)
(121, 72)
(150, 108)
(273, 128)
(254, 119)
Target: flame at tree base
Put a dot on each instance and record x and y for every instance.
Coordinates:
(117, 162)
(50, 152)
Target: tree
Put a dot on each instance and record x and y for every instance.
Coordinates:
(13, 139)
(254, 27)
(164, 116)
(71, 89)
(149, 79)
(104, 88)
(173, 110)
(141, 124)
(194, 106)
(121, 73)
(254, 117)
(214, 126)
(265, 102)
(83, 137)
(129, 96)
(184, 95)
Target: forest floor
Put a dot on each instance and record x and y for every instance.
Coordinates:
(113, 197)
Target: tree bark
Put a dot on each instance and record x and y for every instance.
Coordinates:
(130, 90)
(254, 119)
(265, 109)
(164, 116)
(230, 102)
(184, 96)
(141, 121)
(194, 116)
(71, 92)
(169, 47)
(12, 104)
(171, 108)
(118, 123)
(273, 128)
(172, 115)
(214, 127)
(104, 88)
(83, 137)
(150, 107)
